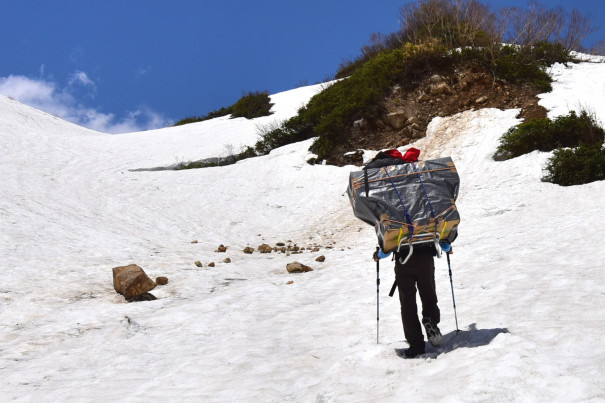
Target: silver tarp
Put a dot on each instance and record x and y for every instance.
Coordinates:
(408, 202)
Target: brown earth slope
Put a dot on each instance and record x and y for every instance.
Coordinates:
(406, 112)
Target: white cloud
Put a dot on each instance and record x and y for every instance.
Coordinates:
(48, 97)
(142, 71)
(80, 77)
(27, 90)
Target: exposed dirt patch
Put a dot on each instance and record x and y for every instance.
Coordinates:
(408, 109)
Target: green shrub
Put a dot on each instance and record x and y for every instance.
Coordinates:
(576, 166)
(291, 131)
(191, 119)
(252, 105)
(516, 67)
(231, 158)
(519, 65)
(546, 53)
(546, 135)
(214, 114)
(349, 67)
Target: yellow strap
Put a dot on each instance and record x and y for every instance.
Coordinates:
(442, 230)
(400, 234)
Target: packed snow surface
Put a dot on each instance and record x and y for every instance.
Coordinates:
(528, 268)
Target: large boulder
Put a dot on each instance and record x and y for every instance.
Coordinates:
(296, 267)
(131, 281)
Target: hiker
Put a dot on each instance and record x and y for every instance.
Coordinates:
(393, 193)
(417, 272)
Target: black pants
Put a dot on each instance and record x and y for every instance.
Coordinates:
(419, 271)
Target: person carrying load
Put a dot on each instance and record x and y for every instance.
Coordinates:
(411, 205)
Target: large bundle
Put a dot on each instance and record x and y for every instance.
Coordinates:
(408, 203)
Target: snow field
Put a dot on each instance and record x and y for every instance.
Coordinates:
(527, 269)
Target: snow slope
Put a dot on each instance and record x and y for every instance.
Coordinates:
(527, 269)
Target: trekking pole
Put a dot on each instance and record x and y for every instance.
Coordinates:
(377, 295)
(452, 285)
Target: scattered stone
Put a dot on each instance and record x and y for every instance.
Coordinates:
(353, 157)
(440, 89)
(211, 264)
(195, 241)
(481, 99)
(161, 280)
(264, 248)
(222, 248)
(131, 281)
(295, 248)
(359, 123)
(315, 250)
(423, 97)
(227, 260)
(413, 120)
(397, 119)
(280, 244)
(283, 249)
(249, 250)
(198, 263)
(321, 258)
(290, 282)
(296, 267)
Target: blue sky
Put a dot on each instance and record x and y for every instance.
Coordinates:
(127, 65)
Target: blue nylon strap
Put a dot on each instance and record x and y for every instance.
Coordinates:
(425, 192)
(407, 215)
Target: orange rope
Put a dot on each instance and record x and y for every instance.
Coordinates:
(357, 182)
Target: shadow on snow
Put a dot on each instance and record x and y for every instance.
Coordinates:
(470, 338)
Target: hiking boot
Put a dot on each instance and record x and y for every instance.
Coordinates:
(432, 332)
(412, 352)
